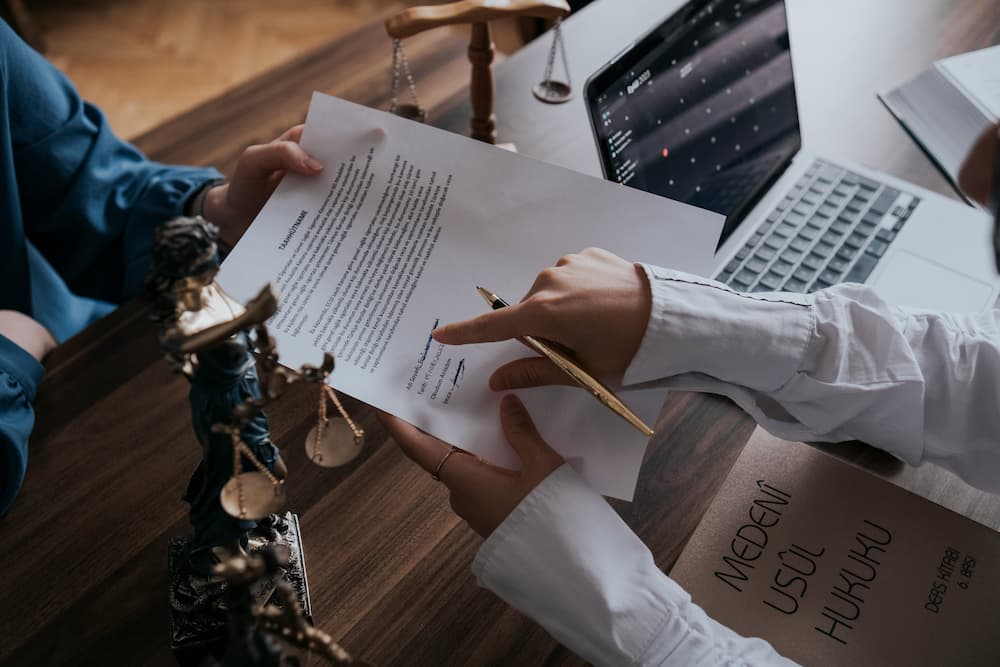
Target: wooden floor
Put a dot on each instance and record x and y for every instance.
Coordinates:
(146, 61)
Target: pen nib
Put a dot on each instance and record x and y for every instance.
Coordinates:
(489, 296)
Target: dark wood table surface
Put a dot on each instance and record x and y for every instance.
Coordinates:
(83, 551)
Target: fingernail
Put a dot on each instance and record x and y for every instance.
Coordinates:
(314, 164)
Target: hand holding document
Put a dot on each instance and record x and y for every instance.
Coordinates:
(390, 241)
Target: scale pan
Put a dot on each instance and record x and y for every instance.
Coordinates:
(553, 92)
(261, 496)
(411, 112)
(337, 446)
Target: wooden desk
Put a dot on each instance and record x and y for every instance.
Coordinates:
(83, 552)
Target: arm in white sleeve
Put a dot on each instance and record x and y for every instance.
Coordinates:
(839, 364)
(567, 560)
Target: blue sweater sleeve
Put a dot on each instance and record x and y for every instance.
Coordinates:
(20, 374)
(89, 201)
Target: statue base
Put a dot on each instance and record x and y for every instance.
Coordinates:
(198, 613)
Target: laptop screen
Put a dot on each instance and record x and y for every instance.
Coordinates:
(702, 109)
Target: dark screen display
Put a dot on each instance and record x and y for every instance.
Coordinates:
(703, 109)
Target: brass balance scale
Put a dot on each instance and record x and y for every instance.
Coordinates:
(477, 13)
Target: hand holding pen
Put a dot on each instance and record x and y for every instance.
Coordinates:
(594, 304)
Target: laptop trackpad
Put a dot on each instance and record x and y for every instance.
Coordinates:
(911, 280)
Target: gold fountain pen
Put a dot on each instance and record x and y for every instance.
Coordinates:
(600, 391)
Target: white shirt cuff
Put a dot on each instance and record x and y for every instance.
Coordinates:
(699, 325)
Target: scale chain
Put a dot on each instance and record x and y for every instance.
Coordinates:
(394, 85)
(400, 63)
(235, 439)
(562, 51)
(351, 424)
(240, 450)
(320, 425)
(557, 43)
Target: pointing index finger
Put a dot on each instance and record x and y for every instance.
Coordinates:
(496, 325)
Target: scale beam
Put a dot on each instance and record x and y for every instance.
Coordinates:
(415, 20)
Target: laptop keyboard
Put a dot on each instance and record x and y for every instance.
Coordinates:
(833, 226)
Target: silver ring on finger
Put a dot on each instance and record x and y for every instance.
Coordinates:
(436, 475)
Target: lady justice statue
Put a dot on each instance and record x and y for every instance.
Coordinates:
(238, 487)
(205, 336)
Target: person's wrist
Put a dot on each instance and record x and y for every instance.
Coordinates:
(26, 333)
(196, 202)
(214, 203)
(216, 209)
(640, 314)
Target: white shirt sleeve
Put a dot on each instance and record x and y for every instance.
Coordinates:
(840, 364)
(566, 559)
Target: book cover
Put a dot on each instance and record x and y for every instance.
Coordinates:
(835, 566)
(947, 106)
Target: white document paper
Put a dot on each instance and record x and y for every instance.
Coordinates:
(393, 237)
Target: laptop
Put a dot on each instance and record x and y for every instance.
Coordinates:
(703, 110)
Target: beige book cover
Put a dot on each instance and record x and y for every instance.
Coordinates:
(835, 566)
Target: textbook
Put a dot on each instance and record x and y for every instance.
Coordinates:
(835, 566)
(947, 106)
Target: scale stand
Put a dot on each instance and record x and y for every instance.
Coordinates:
(476, 13)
